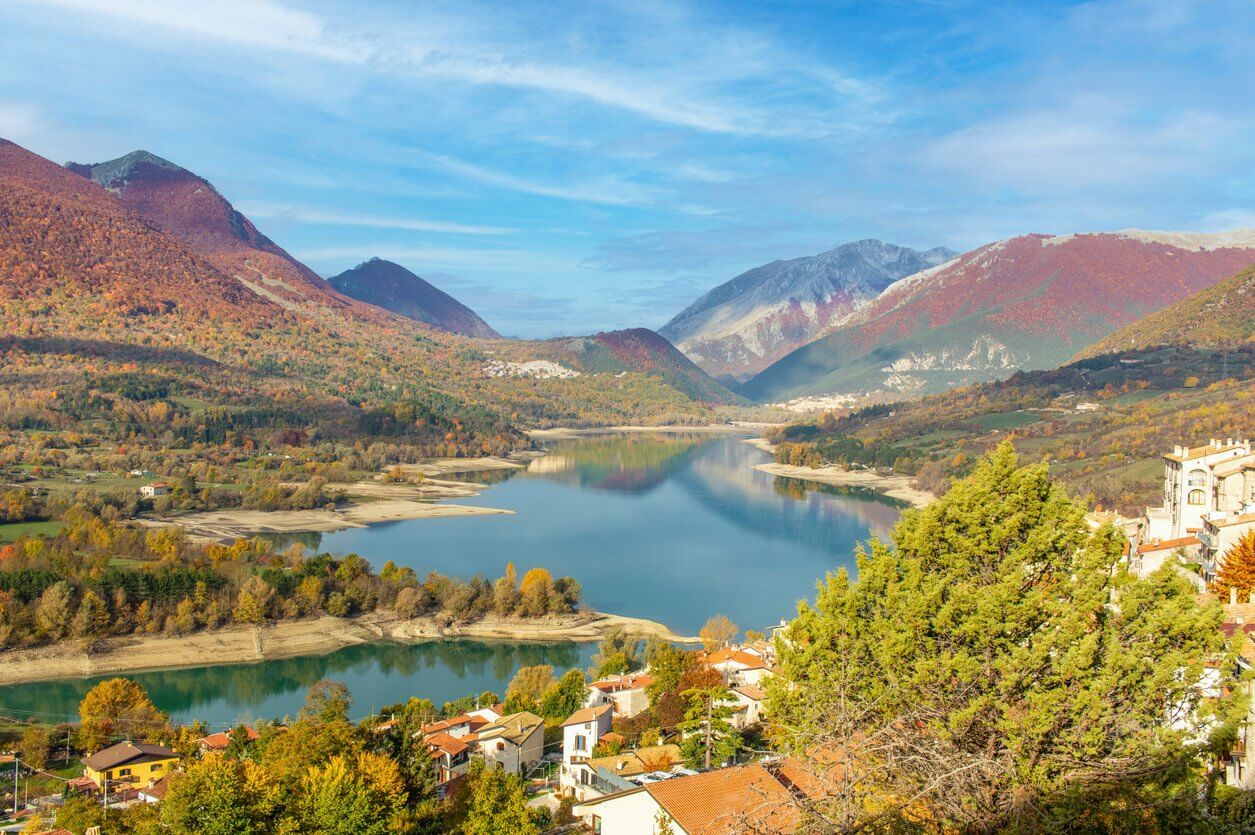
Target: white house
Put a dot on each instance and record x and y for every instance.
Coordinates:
(615, 773)
(727, 801)
(1218, 536)
(626, 693)
(1199, 481)
(748, 707)
(580, 735)
(516, 742)
(740, 665)
(149, 491)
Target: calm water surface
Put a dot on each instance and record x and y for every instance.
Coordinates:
(673, 528)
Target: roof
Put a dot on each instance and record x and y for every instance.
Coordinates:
(516, 727)
(640, 761)
(615, 685)
(587, 714)
(742, 798)
(1227, 521)
(738, 656)
(1234, 466)
(126, 752)
(1169, 545)
(446, 743)
(220, 740)
(475, 723)
(1201, 451)
(157, 791)
(749, 691)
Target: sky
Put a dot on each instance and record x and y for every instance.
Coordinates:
(567, 168)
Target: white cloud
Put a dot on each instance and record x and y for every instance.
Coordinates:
(609, 190)
(257, 23)
(302, 214)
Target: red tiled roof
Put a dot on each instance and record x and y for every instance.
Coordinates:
(587, 714)
(614, 685)
(1168, 545)
(446, 744)
(220, 740)
(749, 659)
(728, 801)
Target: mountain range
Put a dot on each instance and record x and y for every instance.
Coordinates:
(744, 325)
(393, 287)
(1029, 302)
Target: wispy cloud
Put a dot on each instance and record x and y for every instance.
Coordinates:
(424, 257)
(304, 214)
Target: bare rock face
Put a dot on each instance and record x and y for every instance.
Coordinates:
(744, 325)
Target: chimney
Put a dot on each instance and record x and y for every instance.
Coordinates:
(1233, 596)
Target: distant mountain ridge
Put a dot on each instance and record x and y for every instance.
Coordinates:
(395, 288)
(1029, 302)
(743, 325)
(1221, 315)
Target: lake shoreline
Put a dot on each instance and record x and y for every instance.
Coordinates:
(290, 639)
(563, 433)
(894, 486)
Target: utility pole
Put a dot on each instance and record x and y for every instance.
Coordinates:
(710, 707)
(17, 767)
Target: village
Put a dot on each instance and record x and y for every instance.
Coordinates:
(586, 775)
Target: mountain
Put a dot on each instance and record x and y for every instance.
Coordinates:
(1029, 302)
(742, 326)
(190, 209)
(613, 355)
(1221, 315)
(61, 235)
(395, 288)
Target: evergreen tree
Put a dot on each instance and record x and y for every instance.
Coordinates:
(709, 738)
(1000, 668)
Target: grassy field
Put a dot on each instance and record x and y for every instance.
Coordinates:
(11, 531)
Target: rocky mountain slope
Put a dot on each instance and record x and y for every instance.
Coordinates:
(1030, 302)
(395, 288)
(1221, 315)
(744, 325)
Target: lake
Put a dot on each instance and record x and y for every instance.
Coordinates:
(670, 527)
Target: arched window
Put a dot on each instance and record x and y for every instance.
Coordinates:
(1198, 478)
(1196, 497)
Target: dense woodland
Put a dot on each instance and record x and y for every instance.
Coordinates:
(99, 579)
(1102, 422)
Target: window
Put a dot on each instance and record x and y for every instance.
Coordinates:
(500, 746)
(1196, 497)
(581, 742)
(1198, 478)
(597, 824)
(157, 766)
(124, 772)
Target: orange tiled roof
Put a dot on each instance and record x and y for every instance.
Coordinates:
(587, 714)
(743, 798)
(1168, 544)
(749, 659)
(751, 692)
(220, 740)
(614, 685)
(445, 743)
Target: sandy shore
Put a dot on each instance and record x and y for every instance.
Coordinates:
(243, 644)
(894, 486)
(761, 443)
(228, 525)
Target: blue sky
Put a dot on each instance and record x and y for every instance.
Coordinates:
(568, 168)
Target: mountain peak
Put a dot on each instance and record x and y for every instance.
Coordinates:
(393, 287)
(745, 324)
(118, 172)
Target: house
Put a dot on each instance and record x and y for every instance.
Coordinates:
(157, 791)
(600, 776)
(1218, 536)
(740, 665)
(129, 764)
(515, 742)
(580, 734)
(452, 754)
(748, 705)
(627, 693)
(218, 742)
(727, 801)
(149, 491)
(461, 725)
(1200, 481)
(1153, 555)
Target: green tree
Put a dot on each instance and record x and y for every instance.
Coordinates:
(709, 738)
(527, 687)
(365, 796)
(565, 696)
(617, 653)
(666, 667)
(92, 618)
(36, 746)
(1000, 668)
(496, 803)
(218, 795)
